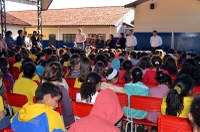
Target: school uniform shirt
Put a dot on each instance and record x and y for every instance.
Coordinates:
(131, 41)
(187, 101)
(77, 83)
(150, 76)
(18, 65)
(160, 91)
(135, 89)
(156, 41)
(1, 104)
(93, 98)
(37, 118)
(33, 57)
(105, 113)
(26, 87)
(35, 77)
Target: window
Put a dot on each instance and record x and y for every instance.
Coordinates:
(69, 38)
(52, 39)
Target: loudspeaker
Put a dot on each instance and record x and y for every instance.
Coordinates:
(152, 6)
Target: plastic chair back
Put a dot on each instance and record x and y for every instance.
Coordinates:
(15, 72)
(8, 130)
(8, 85)
(145, 103)
(123, 99)
(173, 124)
(70, 82)
(196, 91)
(81, 109)
(17, 100)
(72, 92)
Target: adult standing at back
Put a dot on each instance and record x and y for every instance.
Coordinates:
(20, 38)
(80, 39)
(156, 41)
(131, 41)
(34, 39)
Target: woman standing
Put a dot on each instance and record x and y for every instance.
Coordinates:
(110, 43)
(121, 42)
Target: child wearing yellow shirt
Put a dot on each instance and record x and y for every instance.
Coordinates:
(178, 101)
(18, 59)
(26, 85)
(41, 116)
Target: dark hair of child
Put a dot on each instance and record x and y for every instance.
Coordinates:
(182, 87)
(47, 88)
(137, 74)
(88, 88)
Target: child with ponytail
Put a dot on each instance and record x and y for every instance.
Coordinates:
(178, 101)
(89, 89)
(150, 75)
(160, 91)
(136, 87)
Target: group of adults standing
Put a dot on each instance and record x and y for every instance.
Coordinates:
(128, 43)
(21, 40)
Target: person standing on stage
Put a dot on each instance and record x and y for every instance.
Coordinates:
(131, 41)
(34, 39)
(80, 39)
(156, 41)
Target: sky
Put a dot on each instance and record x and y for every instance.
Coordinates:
(59, 4)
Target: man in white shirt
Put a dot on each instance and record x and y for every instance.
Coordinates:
(80, 39)
(131, 41)
(156, 41)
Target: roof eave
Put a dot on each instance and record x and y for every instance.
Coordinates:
(135, 3)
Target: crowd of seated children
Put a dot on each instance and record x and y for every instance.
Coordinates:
(178, 101)
(112, 78)
(89, 88)
(160, 91)
(105, 113)
(41, 116)
(85, 68)
(18, 61)
(114, 68)
(194, 114)
(74, 66)
(136, 87)
(53, 73)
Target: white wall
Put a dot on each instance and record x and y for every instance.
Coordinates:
(14, 29)
(168, 15)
